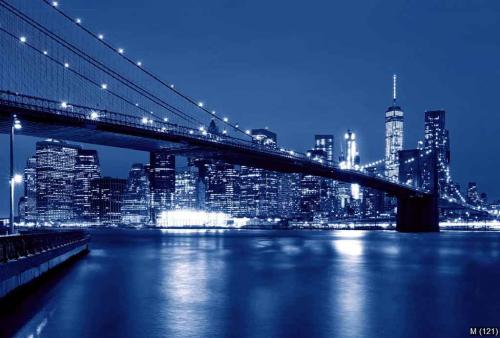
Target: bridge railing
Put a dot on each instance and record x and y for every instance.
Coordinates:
(95, 115)
(17, 246)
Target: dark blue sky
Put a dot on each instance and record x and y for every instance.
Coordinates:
(302, 68)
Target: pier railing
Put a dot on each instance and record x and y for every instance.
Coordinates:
(15, 247)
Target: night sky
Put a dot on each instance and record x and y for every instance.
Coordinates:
(307, 67)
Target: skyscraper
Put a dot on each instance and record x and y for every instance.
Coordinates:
(86, 169)
(259, 187)
(162, 182)
(394, 121)
(55, 175)
(351, 159)
(222, 187)
(30, 190)
(107, 199)
(186, 189)
(325, 143)
(136, 197)
(436, 147)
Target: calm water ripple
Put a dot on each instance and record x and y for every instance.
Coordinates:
(269, 284)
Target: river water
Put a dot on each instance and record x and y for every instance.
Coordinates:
(268, 284)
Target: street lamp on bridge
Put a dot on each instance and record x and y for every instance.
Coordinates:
(16, 125)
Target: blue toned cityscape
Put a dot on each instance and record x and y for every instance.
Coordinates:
(248, 169)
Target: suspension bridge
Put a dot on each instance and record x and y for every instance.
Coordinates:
(64, 80)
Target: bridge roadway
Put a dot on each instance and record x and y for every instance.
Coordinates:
(417, 210)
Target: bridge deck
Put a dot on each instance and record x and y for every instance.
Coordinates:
(46, 119)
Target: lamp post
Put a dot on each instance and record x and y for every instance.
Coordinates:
(16, 125)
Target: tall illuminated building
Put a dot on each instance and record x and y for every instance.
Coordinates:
(394, 122)
(136, 196)
(30, 190)
(55, 176)
(325, 143)
(186, 189)
(350, 161)
(107, 199)
(221, 187)
(436, 147)
(86, 169)
(162, 182)
(259, 188)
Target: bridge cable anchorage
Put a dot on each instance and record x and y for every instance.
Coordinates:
(100, 38)
(67, 67)
(95, 63)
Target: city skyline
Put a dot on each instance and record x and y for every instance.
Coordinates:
(292, 135)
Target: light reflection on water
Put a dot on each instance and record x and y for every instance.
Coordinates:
(217, 283)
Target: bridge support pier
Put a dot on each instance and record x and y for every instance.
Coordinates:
(417, 214)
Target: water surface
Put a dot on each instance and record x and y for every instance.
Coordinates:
(269, 284)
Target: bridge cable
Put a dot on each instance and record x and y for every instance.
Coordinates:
(65, 44)
(149, 73)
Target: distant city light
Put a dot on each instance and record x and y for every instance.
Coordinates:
(17, 124)
(187, 218)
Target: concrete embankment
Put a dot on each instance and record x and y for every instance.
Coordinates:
(25, 257)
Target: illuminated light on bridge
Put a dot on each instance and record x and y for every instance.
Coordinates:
(247, 132)
(78, 20)
(101, 36)
(22, 39)
(55, 3)
(64, 104)
(94, 115)
(104, 86)
(139, 63)
(45, 52)
(66, 65)
(121, 50)
(226, 119)
(144, 120)
(165, 119)
(193, 218)
(200, 104)
(213, 112)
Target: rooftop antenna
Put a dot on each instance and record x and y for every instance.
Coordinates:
(394, 79)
